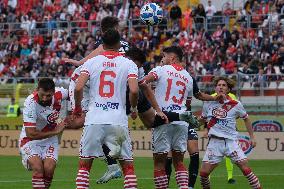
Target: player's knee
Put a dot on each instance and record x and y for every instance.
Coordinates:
(246, 170)
(86, 165)
(203, 174)
(128, 169)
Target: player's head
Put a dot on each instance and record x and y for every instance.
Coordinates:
(223, 85)
(172, 54)
(136, 55)
(46, 90)
(111, 39)
(109, 22)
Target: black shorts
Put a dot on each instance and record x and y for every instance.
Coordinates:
(192, 134)
(143, 104)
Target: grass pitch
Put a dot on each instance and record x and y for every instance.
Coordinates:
(14, 176)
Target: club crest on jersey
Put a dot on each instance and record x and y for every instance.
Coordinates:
(51, 118)
(219, 113)
(245, 144)
(172, 107)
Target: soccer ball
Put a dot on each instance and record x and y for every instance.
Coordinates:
(151, 14)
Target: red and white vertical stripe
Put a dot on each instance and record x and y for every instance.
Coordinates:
(130, 182)
(38, 182)
(182, 179)
(253, 180)
(82, 180)
(160, 180)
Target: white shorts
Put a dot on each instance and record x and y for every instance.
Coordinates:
(218, 148)
(43, 149)
(169, 137)
(71, 102)
(94, 136)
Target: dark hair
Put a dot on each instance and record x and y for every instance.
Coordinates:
(136, 54)
(230, 82)
(176, 50)
(111, 37)
(109, 22)
(46, 84)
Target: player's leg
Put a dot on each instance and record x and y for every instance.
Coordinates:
(181, 171)
(50, 158)
(205, 171)
(229, 168)
(161, 141)
(160, 176)
(192, 148)
(168, 166)
(126, 161)
(179, 138)
(237, 155)
(247, 172)
(213, 156)
(90, 147)
(36, 165)
(49, 165)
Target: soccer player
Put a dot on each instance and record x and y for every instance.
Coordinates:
(106, 121)
(221, 117)
(39, 136)
(173, 85)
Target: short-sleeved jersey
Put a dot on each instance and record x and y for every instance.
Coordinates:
(108, 74)
(221, 118)
(43, 118)
(72, 85)
(173, 86)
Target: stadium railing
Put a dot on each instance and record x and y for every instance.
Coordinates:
(46, 28)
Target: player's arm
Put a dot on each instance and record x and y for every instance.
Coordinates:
(250, 130)
(94, 53)
(35, 134)
(78, 92)
(149, 94)
(133, 96)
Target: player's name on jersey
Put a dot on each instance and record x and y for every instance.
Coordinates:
(178, 75)
(270, 145)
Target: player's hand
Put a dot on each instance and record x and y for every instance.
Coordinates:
(253, 141)
(205, 134)
(60, 127)
(163, 116)
(71, 61)
(220, 98)
(133, 113)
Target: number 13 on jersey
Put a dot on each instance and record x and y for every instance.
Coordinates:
(181, 91)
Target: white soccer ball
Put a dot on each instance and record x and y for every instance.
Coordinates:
(151, 14)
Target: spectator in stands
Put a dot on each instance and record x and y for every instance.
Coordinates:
(219, 70)
(270, 72)
(260, 81)
(199, 16)
(210, 10)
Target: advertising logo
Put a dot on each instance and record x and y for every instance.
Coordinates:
(219, 113)
(267, 126)
(245, 144)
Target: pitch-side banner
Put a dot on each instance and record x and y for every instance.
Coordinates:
(270, 145)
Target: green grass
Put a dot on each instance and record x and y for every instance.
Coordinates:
(14, 176)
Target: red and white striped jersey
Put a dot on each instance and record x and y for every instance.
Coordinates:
(108, 73)
(173, 86)
(43, 118)
(221, 118)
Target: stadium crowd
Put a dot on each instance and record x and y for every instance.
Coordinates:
(212, 48)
